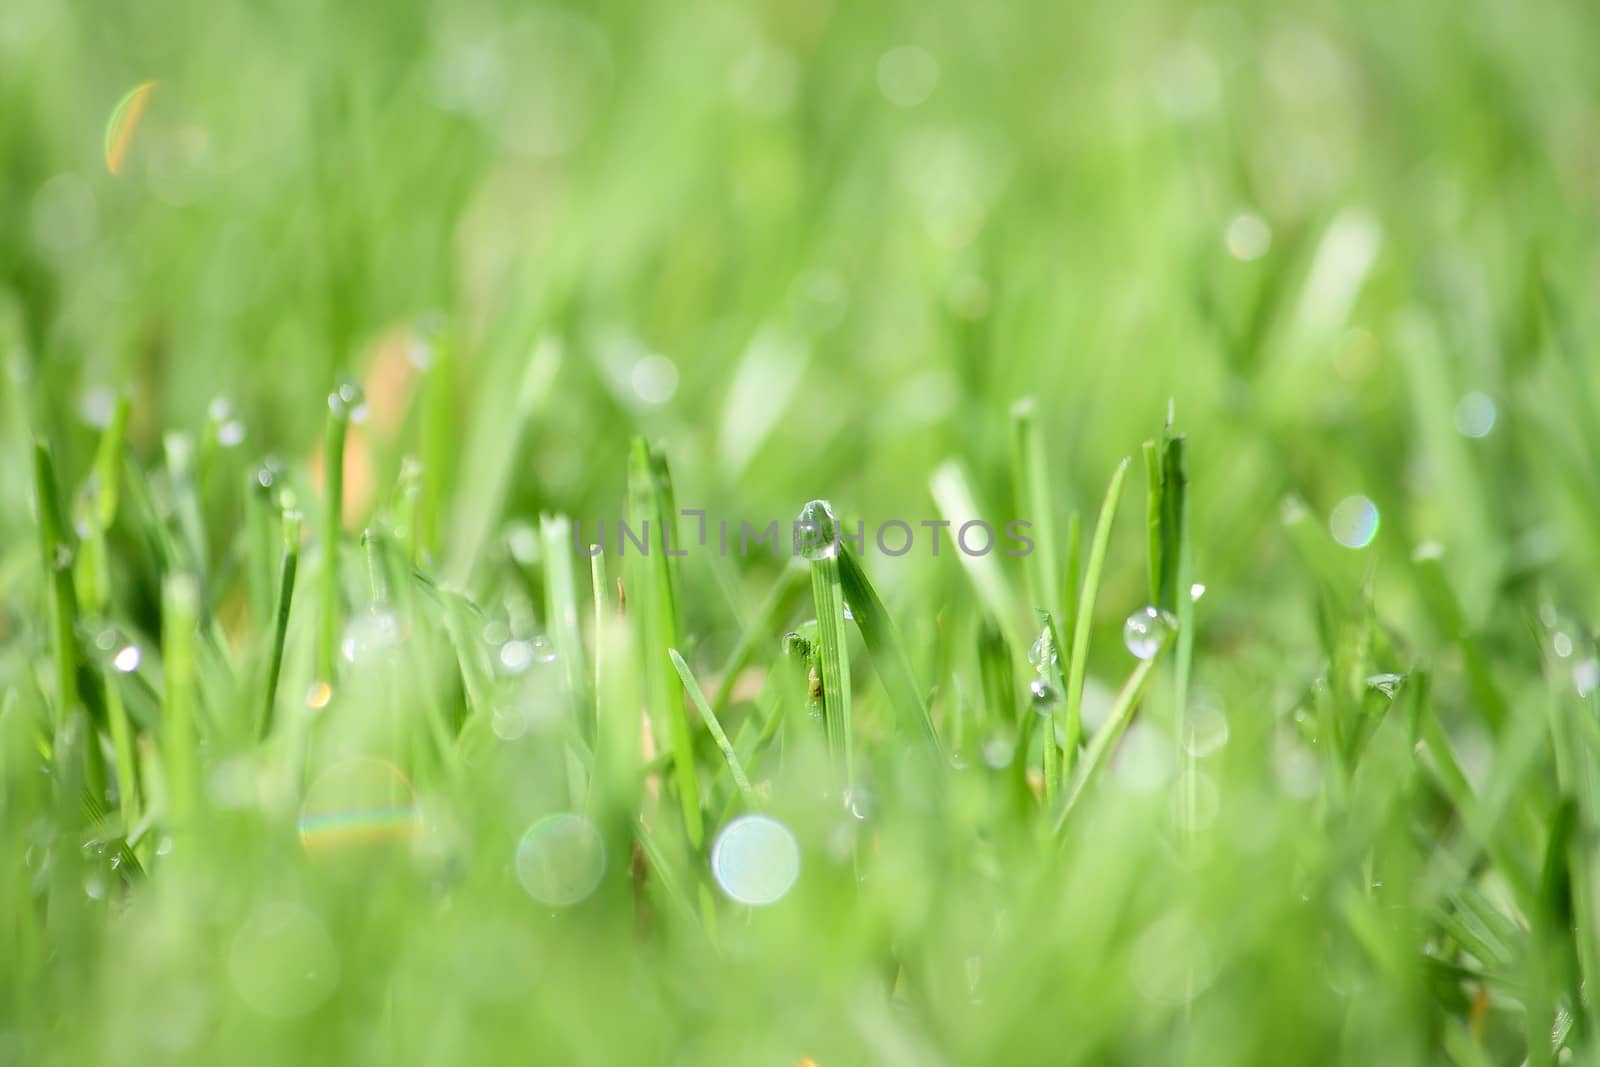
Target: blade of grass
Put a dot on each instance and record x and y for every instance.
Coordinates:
(561, 610)
(888, 652)
(292, 522)
(96, 585)
(1171, 504)
(1578, 777)
(953, 495)
(336, 430)
(179, 756)
(1032, 490)
(56, 551)
(182, 477)
(489, 459)
(652, 601)
(692, 687)
(1079, 664)
(1099, 749)
(819, 533)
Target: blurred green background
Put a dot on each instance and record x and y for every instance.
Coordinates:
(854, 236)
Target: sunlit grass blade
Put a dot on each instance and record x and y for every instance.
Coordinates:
(953, 495)
(330, 593)
(1577, 765)
(561, 608)
(1170, 578)
(692, 687)
(288, 566)
(1078, 665)
(489, 456)
(1035, 495)
(615, 782)
(56, 552)
(652, 602)
(1440, 597)
(889, 658)
(94, 585)
(179, 746)
(819, 532)
(183, 481)
(1046, 701)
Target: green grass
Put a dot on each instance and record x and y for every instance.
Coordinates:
(323, 740)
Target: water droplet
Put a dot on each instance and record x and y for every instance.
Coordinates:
(1586, 676)
(907, 75)
(1043, 696)
(347, 399)
(561, 859)
(1561, 644)
(318, 695)
(370, 633)
(1205, 730)
(756, 860)
(858, 802)
(269, 473)
(1147, 630)
(655, 379)
(282, 961)
(1354, 521)
(230, 434)
(1385, 683)
(1249, 237)
(515, 656)
(127, 659)
(422, 345)
(363, 801)
(1197, 590)
(1475, 415)
(96, 406)
(522, 541)
(61, 558)
(1042, 653)
(816, 531)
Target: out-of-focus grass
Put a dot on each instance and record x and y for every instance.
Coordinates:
(1348, 812)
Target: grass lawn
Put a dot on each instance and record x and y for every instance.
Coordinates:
(799, 533)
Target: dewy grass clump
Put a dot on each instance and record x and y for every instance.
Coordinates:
(613, 533)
